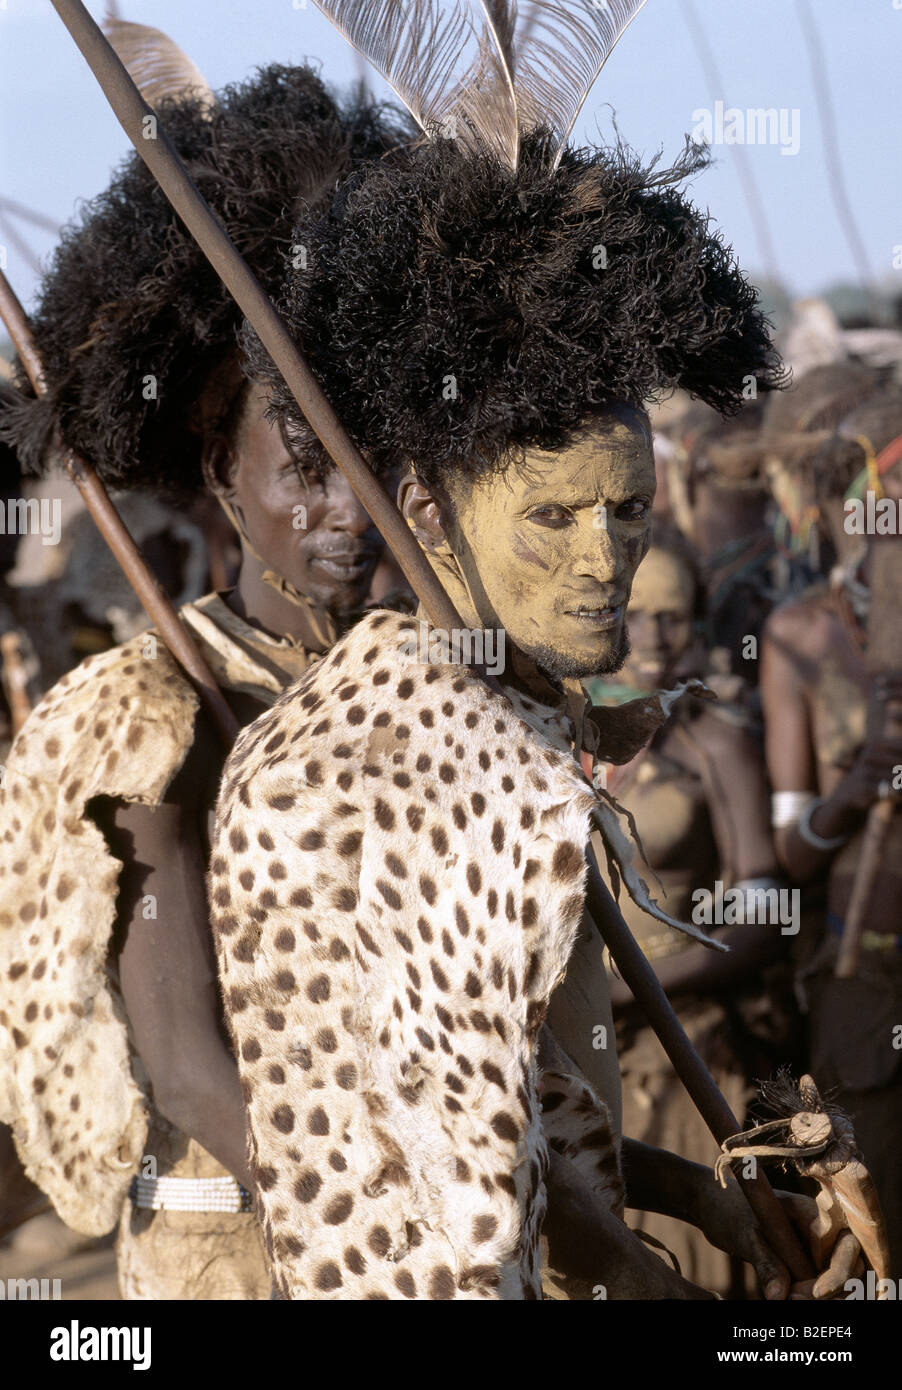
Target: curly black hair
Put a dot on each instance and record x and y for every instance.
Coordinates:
(457, 313)
(130, 296)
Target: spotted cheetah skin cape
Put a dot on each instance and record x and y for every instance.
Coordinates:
(72, 1089)
(120, 726)
(396, 882)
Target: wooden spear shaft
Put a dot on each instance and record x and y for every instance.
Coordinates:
(703, 1090)
(154, 601)
(162, 159)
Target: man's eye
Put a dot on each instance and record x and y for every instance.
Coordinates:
(308, 478)
(551, 515)
(292, 469)
(634, 510)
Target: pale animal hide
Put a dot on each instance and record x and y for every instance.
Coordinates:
(397, 880)
(119, 726)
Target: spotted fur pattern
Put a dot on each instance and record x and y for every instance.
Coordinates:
(577, 1125)
(396, 881)
(119, 725)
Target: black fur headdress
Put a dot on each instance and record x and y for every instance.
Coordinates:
(493, 288)
(457, 312)
(130, 296)
(480, 291)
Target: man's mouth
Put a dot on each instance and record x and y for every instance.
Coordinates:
(597, 617)
(347, 565)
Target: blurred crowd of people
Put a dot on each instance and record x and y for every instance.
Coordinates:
(759, 581)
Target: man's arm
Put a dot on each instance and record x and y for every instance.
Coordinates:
(661, 1181)
(788, 744)
(790, 755)
(168, 978)
(657, 1180)
(585, 1241)
(738, 798)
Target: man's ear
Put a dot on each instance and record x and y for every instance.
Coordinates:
(218, 464)
(422, 512)
(216, 417)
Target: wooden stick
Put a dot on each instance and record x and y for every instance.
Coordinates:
(162, 159)
(637, 972)
(873, 843)
(154, 601)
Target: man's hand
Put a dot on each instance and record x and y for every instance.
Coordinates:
(871, 774)
(869, 778)
(728, 1222)
(657, 1180)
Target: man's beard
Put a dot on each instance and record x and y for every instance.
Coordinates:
(561, 666)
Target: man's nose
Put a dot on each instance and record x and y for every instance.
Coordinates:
(599, 555)
(345, 512)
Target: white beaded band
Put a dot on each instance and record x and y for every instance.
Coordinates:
(810, 836)
(190, 1194)
(787, 807)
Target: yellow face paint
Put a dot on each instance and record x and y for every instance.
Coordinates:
(548, 551)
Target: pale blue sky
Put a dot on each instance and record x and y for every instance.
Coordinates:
(58, 138)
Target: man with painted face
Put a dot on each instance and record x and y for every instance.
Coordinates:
(551, 562)
(397, 868)
(108, 790)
